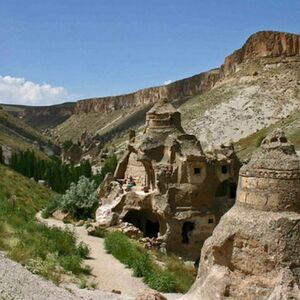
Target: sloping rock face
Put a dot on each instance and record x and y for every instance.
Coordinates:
(45, 117)
(264, 44)
(254, 251)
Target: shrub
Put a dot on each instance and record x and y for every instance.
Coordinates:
(108, 167)
(67, 144)
(80, 200)
(83, 250)
(161, 280)
(119, 245)
(53, 204)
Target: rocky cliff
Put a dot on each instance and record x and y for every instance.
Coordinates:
(257, 86)
(179, 89)
(260, 44)
(263, 44)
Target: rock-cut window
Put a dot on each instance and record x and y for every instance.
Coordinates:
(224, 169)
(197, 171)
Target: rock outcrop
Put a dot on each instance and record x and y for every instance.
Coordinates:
(260, 44)
(166, 186)
(264, 44)
(254, 251)
(179, 89)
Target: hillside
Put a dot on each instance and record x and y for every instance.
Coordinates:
(257, 86)
(42, 117)
(259, 93)
(17, 135)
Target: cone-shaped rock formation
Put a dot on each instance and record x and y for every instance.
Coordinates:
(254, 252)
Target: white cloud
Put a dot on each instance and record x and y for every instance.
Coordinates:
(167, 82)
(16, 90)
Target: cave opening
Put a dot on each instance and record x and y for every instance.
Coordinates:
(187, 228)
(145, 220)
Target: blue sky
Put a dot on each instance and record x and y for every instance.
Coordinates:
(57, 50)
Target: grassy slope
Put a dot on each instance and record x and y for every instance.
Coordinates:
(48, 252)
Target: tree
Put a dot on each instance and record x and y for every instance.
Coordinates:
(80, 200)
(109, 167)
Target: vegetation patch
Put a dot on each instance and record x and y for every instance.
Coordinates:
(144, 264)
(57, 175)
(49, 252)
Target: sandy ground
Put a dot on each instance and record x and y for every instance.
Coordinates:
(109, 273)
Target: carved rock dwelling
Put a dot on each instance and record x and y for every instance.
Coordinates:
(254, 251)
(179, 192)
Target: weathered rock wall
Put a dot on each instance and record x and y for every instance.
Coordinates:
(179, 89)
(263, 44)
(43, 117)
(260, 44)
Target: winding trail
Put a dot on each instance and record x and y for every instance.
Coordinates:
(109, 273)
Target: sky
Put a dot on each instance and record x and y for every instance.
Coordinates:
(53, 51)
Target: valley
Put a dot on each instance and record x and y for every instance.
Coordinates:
(126, 197)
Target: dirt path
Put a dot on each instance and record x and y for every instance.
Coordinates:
(109, 272)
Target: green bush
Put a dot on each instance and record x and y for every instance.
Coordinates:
(108, 167)
(80, 200)
(161, 280)
(53, 204)
(83, 250)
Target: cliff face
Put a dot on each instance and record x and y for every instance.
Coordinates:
(179, 89)
(263, 44)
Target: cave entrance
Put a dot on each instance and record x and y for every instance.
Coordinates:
(145, 220)
(187, 228)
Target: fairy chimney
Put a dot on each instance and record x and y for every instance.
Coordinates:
(254, 251)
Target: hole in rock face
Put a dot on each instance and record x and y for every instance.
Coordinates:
(187, 228)
(145, 220)
(283, 140)
(210, 221)
(222, 190)
(197, 171)
(273, 140)
(226, 189)
(224, 169)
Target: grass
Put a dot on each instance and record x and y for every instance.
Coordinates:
(174, 277)
(99, 232)
(49, 252)
(290, 125)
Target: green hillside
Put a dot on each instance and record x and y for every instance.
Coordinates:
(46, 251)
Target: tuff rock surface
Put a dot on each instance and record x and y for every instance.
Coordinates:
(254, 251)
